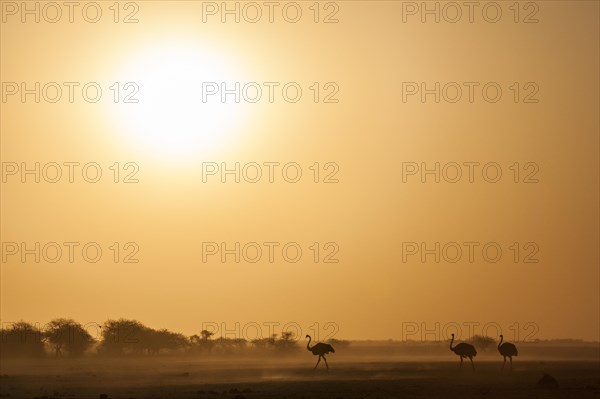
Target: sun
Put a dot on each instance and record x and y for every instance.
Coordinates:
(161, 107)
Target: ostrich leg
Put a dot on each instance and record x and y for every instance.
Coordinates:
(324, 358)
(504, 364)
(472, 364)
(510, 363)
(318, 361)
(461, 362)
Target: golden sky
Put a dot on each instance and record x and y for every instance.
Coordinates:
(365, 131)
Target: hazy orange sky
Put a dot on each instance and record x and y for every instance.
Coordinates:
(367, 131)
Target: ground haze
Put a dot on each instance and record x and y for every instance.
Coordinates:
(361, 370)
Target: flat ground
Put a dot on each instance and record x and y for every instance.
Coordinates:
(277, 378)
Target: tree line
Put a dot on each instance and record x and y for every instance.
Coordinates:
(68, 338)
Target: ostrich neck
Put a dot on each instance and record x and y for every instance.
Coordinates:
(451, 341)
(500, 343)
(308, 343)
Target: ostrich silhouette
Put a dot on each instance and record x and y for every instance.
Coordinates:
(507, 349)
(320, 349)
(463, 350)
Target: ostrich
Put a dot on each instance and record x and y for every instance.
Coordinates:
(507, 350)
(320, 349)
(464, 350)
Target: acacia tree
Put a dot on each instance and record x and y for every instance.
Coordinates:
(122, 336)
(21, 339)
(202, 342)
(156, 340)
(69, 335)
(206, 334)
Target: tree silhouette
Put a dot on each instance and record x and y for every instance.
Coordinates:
(202, 342)
(21, 339)
(156, 340)
(206, 334)
(195, 340)
(69, 335)
(121, 337)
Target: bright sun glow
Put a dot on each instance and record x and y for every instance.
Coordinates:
(171, 121)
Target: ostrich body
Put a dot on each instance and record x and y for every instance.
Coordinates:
(463, 350)
(319, 349)
(507, 349)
